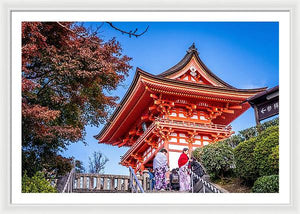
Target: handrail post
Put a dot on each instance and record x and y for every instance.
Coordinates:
(192, 182)
(69, 183)
(133, 177)
(145, 176)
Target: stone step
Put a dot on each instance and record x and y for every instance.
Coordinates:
(167, 191)
(99, 191)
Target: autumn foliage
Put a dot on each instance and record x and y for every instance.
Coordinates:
(66, 74)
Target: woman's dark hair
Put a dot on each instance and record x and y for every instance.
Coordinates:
(174, 170)
(185, 149)
(163, 150)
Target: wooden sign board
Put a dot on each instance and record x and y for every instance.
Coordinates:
(265, 104)
(268, 109)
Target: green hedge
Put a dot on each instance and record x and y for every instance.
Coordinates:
(36, 184)
(251, 132)
(266, 152)
(246, 167)
(258, 156)
(266, 184)
(274, 159)
(217, 158)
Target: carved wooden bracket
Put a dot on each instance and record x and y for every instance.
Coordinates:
(190, 109)
(160, 105)
(191, 136)
(137, 156)
(163, 133)
(151, 142)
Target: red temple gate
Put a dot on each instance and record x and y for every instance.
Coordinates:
(185, 106)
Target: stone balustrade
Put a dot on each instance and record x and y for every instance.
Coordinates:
(101, 182)
(90, 182)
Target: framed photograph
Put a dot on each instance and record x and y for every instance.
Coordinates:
(108, 91)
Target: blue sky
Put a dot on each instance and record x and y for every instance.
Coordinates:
(243, 54)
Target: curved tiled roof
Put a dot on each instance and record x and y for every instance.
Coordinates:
(158, 77)
(192, 51)
(163, 77)
(140, 72)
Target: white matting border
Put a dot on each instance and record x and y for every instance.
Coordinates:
(283, 17)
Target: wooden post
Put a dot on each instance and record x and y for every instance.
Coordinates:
(166, 146)
(256, 115)
(258, 125)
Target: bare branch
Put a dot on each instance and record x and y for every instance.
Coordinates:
(66, 27)
(96, 31)
(130, 33)
(97, 162)
(76, 33)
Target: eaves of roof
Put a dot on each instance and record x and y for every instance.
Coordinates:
(139, 73)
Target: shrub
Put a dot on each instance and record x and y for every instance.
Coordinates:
(268, 131)
(217, 158)
(252, 132)
(274, 122)
(266, 184)
(249, 133)
(265, 153)
(36, 184)
(234, 140)
(246, 167)
(274, 158)
(197, 154)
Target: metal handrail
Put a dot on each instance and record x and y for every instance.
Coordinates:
(69, 181)
(207, 184)
(134, 177)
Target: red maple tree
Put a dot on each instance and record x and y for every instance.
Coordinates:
(65, 72)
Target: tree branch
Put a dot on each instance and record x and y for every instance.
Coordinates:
(76, 33)
(130, 33)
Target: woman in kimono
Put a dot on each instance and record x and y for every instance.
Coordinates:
(160, 167)
(184, 175)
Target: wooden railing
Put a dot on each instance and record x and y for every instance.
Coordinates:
(178, 123)
(139, 140)
(207, 126)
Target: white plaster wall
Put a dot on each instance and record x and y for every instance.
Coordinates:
(173, 159)
(178, 147)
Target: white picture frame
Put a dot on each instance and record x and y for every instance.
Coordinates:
(263, 207)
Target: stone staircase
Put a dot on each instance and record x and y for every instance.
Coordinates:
(106, 183)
